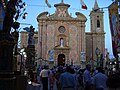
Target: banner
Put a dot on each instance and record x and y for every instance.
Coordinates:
(114, 27)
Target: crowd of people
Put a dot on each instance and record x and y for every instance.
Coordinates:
(70, 77)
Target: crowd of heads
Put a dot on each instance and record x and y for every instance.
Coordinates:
(58, 70)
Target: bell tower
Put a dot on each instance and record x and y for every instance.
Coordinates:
(96, 19)
(97, 30)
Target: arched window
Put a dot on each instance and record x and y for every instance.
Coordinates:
(98, 24)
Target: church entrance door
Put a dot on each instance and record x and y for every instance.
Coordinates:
(61, 60)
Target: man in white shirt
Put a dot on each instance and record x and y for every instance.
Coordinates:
(44, 77)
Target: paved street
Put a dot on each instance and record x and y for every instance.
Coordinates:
(35, 86)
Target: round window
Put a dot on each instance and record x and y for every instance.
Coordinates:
(61, 29)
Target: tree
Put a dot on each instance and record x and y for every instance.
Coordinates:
(12, 13)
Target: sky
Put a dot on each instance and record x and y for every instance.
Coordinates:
(35, 7)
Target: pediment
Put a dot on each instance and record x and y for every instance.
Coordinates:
(61, 13)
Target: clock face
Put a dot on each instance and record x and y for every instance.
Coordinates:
(98, 29)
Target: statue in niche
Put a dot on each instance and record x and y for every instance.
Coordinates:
(61, 42)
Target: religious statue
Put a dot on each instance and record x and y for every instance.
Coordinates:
(97, 51)
(61, 42)
(31, 40)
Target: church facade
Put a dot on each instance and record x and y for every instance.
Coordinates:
(62, 38)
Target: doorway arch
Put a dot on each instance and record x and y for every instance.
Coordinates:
(61, 60)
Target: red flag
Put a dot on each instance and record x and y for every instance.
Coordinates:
(83, 5)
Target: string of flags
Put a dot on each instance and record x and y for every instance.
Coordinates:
(83, 5)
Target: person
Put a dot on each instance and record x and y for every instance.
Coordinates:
(67, 80)
(99, 80)
(38, 72)
(52, 80)
(78, 81)
(57, 76)
(87, 78)
(44, 77)
(95, 71)
(113, 81)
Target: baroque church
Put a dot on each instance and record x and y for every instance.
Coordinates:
(62, 38)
